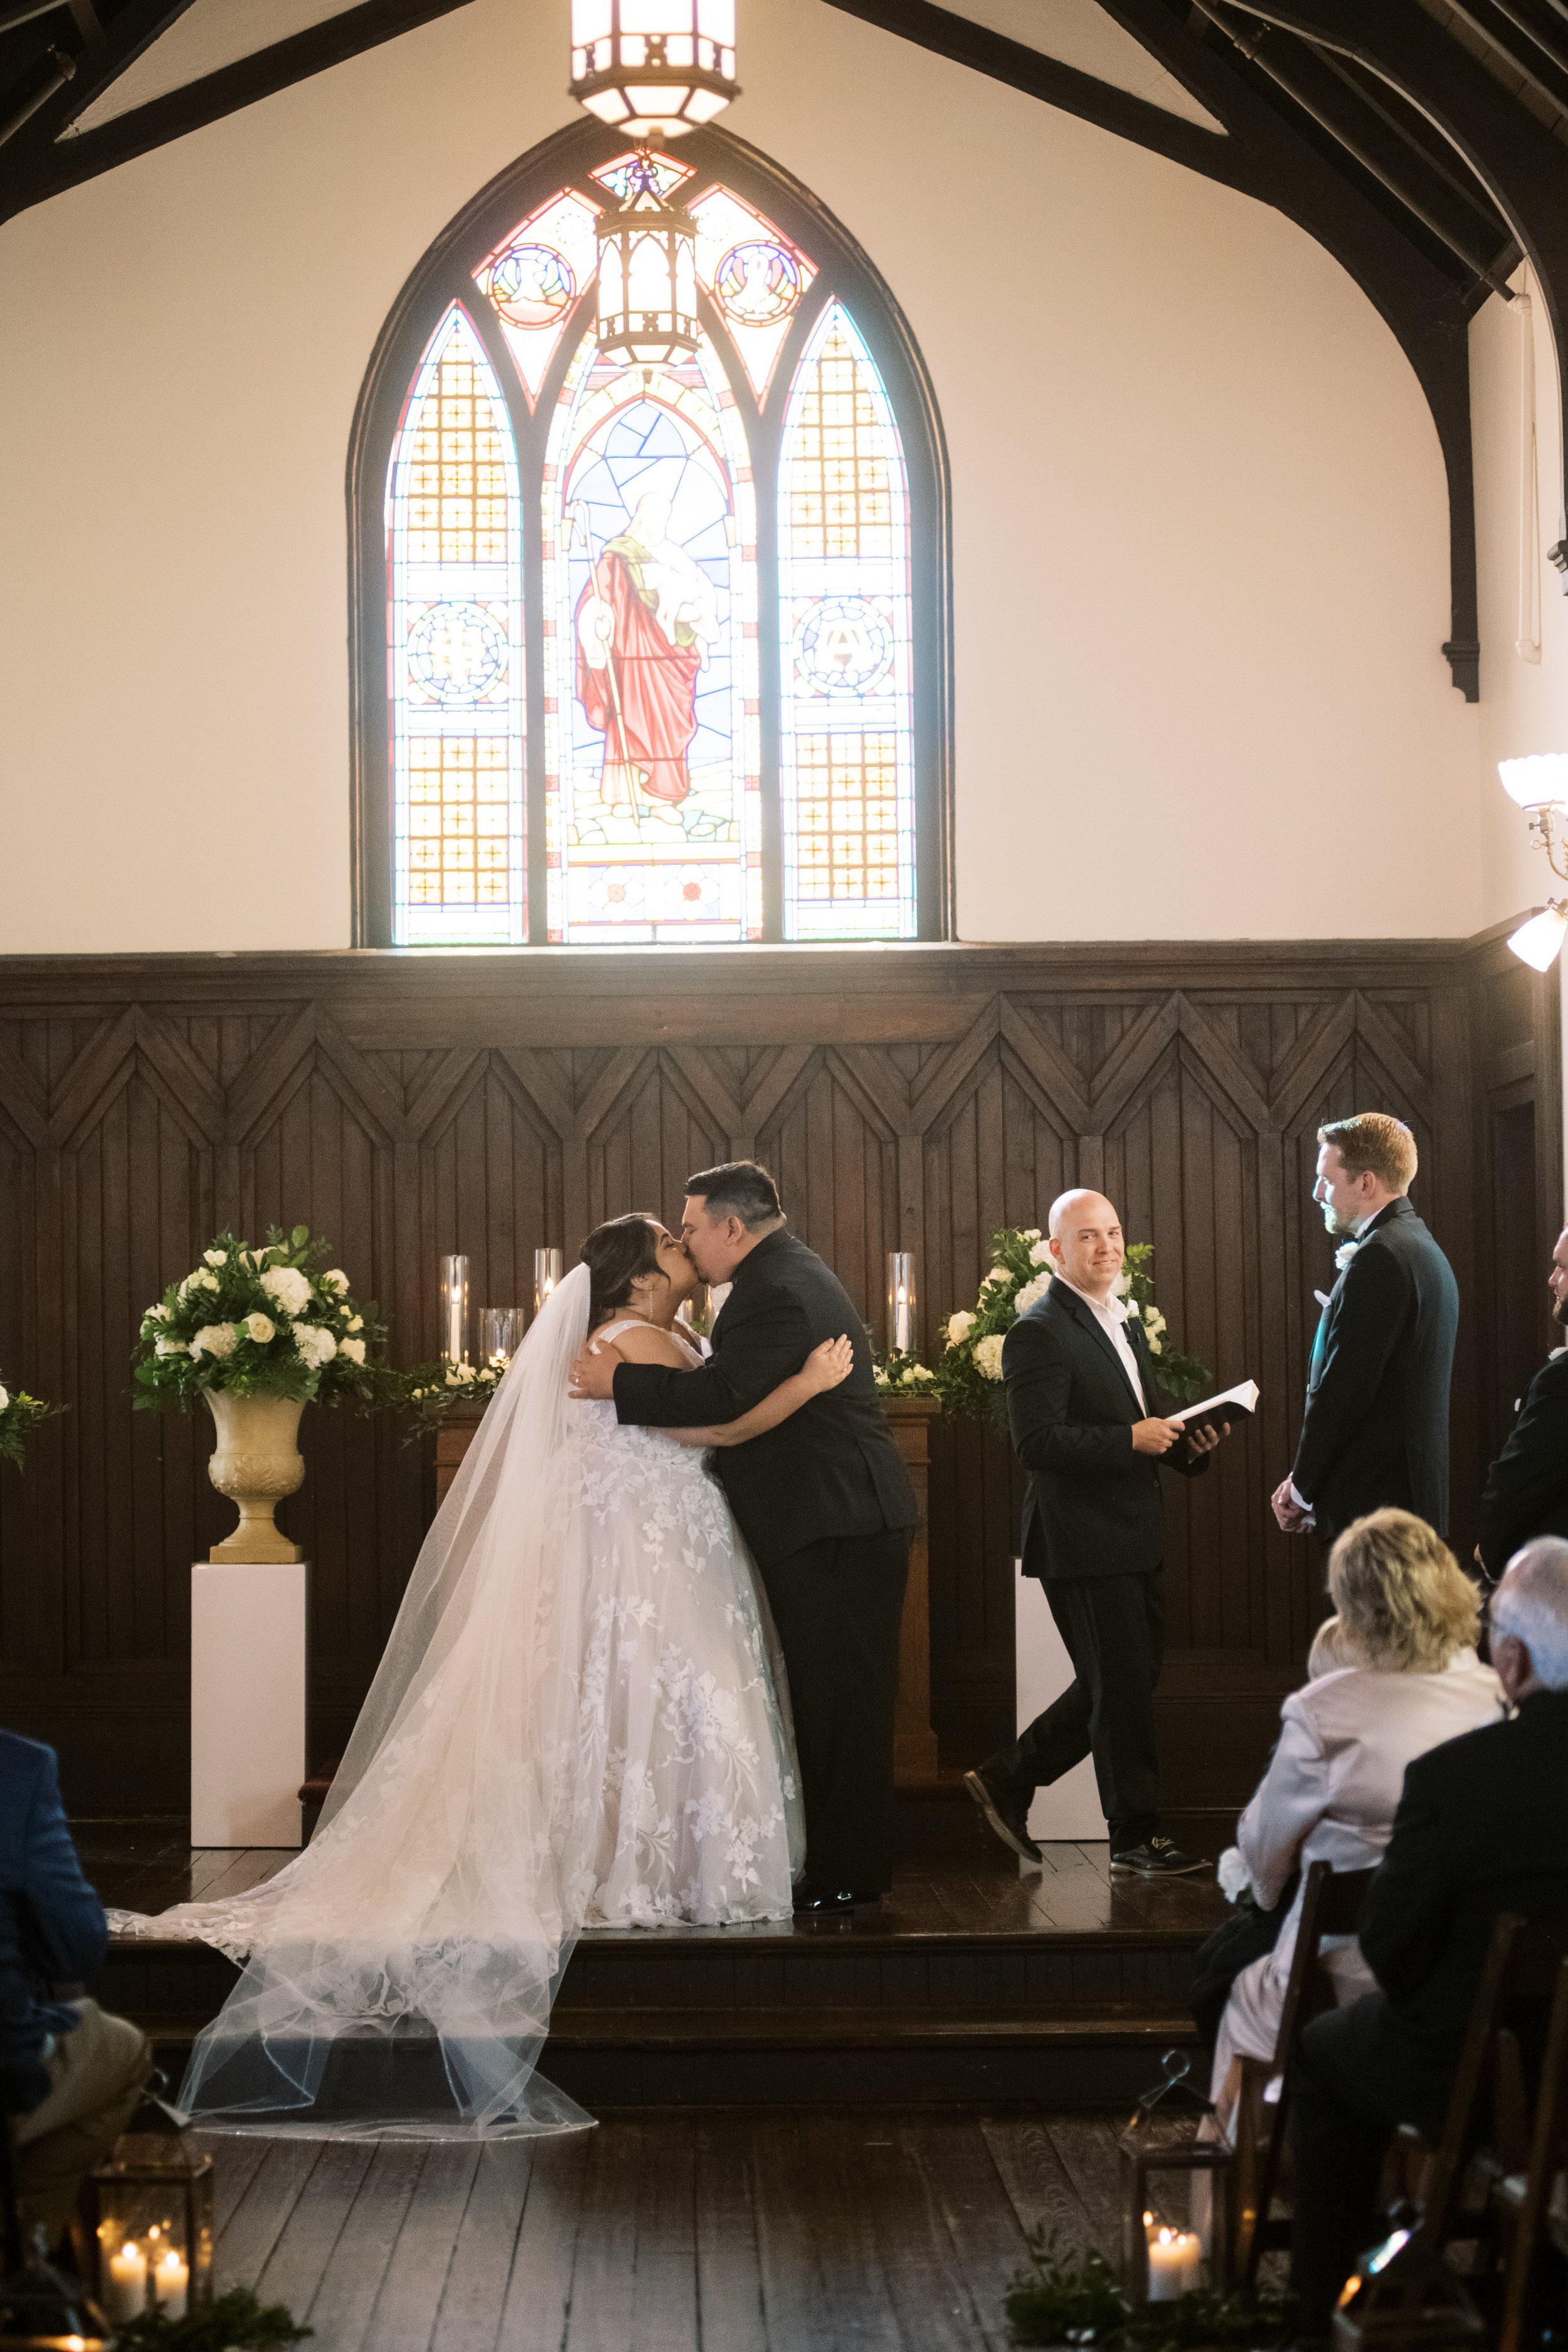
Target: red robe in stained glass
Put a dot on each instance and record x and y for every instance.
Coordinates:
(643, 697)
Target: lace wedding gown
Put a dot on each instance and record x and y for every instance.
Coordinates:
(580, 1722)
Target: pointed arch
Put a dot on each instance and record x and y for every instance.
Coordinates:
(662, 794)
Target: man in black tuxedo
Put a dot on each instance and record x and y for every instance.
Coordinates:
(1527, 1487)
(1375, 1433)
(823, 1501)
(1482, 1828)
(1085, 1411)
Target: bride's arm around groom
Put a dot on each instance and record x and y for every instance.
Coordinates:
(823, 1501)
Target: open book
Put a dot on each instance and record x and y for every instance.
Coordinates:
(1238, 1404)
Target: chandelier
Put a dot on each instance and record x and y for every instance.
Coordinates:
(1540, 786)
(654, 68)
(647, 274)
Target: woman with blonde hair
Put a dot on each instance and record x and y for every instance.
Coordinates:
(1406, 1630)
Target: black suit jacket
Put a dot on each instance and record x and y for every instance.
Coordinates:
(1092, 1505)
(52, 1928)
(1376, 1425)
(1481, 1828)
(832, 1468)
(1526, 1491)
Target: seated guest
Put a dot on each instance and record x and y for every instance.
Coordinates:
(1398, 1673)
(1482, 1828)
(69, 2075)
(1527, 1487)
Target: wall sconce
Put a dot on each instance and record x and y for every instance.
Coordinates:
(1538, 785)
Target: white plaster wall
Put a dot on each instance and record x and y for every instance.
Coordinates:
(1198, 508)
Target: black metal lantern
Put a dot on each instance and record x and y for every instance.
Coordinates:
(153, 2219)
(1168, 2246)
(42, 2311)
(647, 274)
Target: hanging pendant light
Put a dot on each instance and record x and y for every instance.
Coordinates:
(654, 68)
(647, 274)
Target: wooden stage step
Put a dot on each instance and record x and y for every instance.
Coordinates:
(976, 1982)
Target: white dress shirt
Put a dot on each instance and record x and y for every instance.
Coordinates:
(1111, 1316)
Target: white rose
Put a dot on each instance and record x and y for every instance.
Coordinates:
(1156, 1346)
(316, 1346)
(1031, 1233)
(353, 1348)
(335, 1279)
(159, 1314)
(988, 1356)
(1031, 1292)
(5, 1398)
(170, 1347)
(215, 1257)
(288, 1286)
(260, 1327)
(1135, 1312)
(214, 1339)
(1344, 1253)
(1153, 1323)
(1040, 1255)
(997, 1274)
(959, 1327)
(356, 1322)
(201, 1280)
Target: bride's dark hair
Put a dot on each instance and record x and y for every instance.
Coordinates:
(615, 1254)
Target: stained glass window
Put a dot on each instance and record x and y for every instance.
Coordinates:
(847, 736)
(709, 733)
(454, 655)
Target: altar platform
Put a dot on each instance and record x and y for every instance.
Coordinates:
(977, 1981)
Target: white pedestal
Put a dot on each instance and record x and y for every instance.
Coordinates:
(1069, 1807)
(248, 1702)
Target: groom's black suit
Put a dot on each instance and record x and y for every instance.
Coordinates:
(825, 1502)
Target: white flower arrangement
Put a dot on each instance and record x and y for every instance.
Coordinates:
(259, 1322)
(20, 1416)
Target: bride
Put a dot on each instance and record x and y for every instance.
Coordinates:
(580, 1721)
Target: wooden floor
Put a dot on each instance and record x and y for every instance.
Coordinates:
(666, 2232)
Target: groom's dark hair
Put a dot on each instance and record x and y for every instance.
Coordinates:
(740, 1188)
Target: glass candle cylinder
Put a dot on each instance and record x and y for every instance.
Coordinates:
(501, 1333)
(900, 1302)
(455, 1309)
(548, 1265)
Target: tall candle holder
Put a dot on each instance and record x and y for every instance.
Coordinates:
(501, 1333)
(901, 1302)
(455, 1309)
(548, 1265)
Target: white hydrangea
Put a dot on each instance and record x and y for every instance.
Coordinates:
(988, 1356)
(316, 1346)
(353, 1348)
(260, 1327)
(214, 1339)
(289, 1288)
(1031, 1293)
(959, 1327)
(170, 1347)
(1040, 1252)
(335, 1279)
(215, 1256)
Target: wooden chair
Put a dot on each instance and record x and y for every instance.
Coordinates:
(1331, 1904)
(1534, 2203)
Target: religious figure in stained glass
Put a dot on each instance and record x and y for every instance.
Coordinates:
(645, 622)
(722, 663)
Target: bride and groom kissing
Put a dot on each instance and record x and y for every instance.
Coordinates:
(642, 1675)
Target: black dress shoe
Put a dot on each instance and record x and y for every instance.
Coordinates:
(817, 1900)
(1158, 1857)
(1005, 1816)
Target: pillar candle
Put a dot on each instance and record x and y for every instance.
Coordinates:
(171, 2284)
(1175, 2263)
(125, 2290)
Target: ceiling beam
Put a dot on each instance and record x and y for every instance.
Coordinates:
(53, 161)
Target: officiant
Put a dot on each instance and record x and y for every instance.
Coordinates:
(1089, 1426)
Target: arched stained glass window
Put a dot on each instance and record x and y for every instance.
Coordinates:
(668, 647)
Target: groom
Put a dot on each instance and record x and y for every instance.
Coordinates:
(823, 1501)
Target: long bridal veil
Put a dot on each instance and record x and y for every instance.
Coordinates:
(399, 1973)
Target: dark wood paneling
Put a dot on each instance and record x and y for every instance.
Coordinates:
(408, 1104)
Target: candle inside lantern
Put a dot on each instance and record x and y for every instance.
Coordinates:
(170, 2284)
(125, 2288)
(548, 1265)
(455, 1309)
(901, 1302)
(1175, 2263)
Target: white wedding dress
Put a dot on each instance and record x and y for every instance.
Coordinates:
(580, 1722)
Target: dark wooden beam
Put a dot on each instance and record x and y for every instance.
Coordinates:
(44, 161)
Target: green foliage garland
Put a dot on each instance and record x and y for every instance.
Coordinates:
(234, 2320)
(20, 1416)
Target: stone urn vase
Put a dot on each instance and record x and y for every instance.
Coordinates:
(256, 1462)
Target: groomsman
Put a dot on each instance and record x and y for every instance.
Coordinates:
(1375, 1431)
(1088, 1426)
(1527, 1487)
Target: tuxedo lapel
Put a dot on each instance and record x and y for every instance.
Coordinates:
(1090, 1323)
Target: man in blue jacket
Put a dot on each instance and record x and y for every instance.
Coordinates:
(71, 2075)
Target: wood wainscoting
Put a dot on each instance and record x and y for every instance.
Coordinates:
(404, 1104)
